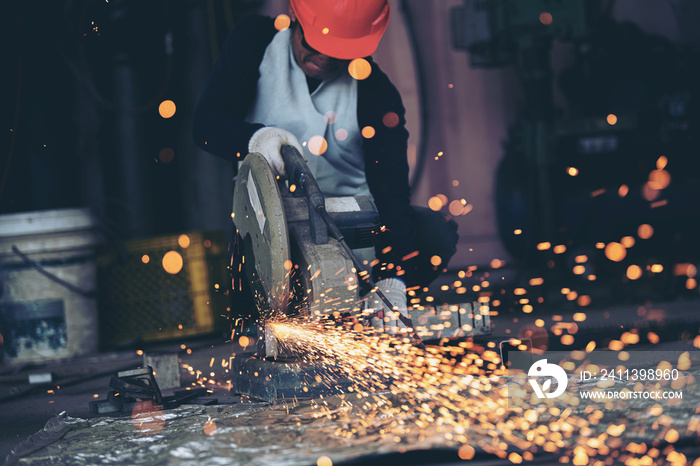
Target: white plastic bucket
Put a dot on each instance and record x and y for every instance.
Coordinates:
(48, 280)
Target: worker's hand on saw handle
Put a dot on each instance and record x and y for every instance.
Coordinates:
(268, 141)
(395, 290)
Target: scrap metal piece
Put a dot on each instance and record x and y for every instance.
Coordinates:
(130, 387)
(166, 368)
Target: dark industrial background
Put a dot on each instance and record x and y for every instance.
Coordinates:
(84, 80)
(500, 108)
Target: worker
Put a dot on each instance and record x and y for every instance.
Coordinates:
(300, 84)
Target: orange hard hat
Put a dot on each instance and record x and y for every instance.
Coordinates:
(344, 29)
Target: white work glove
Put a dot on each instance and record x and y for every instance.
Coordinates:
(395, 291)
(268, 141)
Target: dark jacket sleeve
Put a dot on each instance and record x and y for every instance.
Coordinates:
(219, 120)
(386, 163)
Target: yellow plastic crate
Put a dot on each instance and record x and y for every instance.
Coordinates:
(140, 301)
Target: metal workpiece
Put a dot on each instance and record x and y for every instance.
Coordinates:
(283, 379)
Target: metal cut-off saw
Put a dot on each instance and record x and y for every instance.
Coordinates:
(299, 246)
(291, 261)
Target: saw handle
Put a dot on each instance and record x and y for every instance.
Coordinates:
(300, 174)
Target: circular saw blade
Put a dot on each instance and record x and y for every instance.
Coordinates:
(258, 214)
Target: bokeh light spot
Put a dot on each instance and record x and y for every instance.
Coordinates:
(330, 117)
(166, 155)
(324, 461)
(318, 145)
(436, 260)
(497, 263)
(341, 134)
(368, 132)
(147, 418)
(145, 259)
(172, 262)
(546, 18)
(634, 272)
(209, 427)
(435, 203)
(615, 251)
(466, 452)
(659, 179)
(611, 119)
(661, 162)
(455, 208)
(167, 108)
(649, 193)
(184, 241)
(360, 69)
(390, 119)
(282, 22)
(627, 241)
(645, 231)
